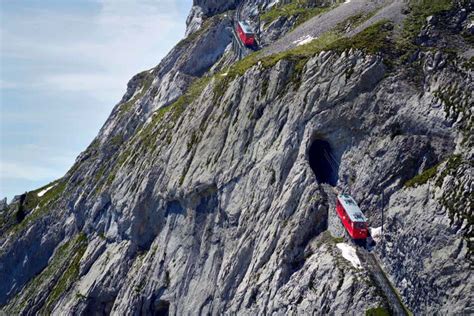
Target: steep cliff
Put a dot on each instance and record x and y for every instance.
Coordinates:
(206, 190)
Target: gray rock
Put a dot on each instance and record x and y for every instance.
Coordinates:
(3, 204)
(211, 204)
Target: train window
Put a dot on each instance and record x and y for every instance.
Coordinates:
(349, 202)
(359, 225)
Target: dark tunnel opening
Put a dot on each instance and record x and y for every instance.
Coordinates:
(323, 162)
(162, 308)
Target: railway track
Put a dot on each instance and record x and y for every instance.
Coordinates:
(370, 262)
(368, 259)
(239, 48)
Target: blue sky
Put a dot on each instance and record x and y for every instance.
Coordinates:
(63, 66)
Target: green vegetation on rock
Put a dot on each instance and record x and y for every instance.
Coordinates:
(70, 274)
(420, 10)
(372, 40)
(302, 10)
(142, 88)
(32, 207)
(457, 199)
(452, 164)
(378, 311)
(56, 278)
(458, 109)
(422, 178)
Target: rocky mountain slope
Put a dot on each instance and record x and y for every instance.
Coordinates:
(207, 191)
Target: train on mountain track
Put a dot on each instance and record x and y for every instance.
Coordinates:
(352, 217)
(246, 34)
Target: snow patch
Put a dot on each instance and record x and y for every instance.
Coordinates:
(303, 40)
(349, 253)
(376, 233)
(273, 3)
(41, 193)
(347, 1)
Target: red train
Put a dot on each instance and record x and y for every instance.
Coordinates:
(352, 217)
(246, 34)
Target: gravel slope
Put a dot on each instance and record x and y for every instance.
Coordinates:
(320, 24)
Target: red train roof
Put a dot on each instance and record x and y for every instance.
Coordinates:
(246, 28)
(351, 207)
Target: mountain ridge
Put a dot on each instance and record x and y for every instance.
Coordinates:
(198, 197)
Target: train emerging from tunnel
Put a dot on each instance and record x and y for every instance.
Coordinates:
(352, 217)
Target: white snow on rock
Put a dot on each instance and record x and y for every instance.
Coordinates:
(303, 40)
(41, 193)
(274, 2)
(349, 253)
(376, 233)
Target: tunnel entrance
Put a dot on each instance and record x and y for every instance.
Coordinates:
(162, 308)
(323, 162)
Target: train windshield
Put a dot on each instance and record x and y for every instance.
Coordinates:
(246, 28)
(360, 225)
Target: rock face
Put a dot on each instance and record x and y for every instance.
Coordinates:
(3, 204)
(205, 8)
(200, 193)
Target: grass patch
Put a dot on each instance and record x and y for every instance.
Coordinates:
(302, 10)
(162, 120)
(469, 64)
(61, 271)
(458, 109)
(327, 238)
(457, 199)
(353, 21)
(299, 55)
(422, 178)
(378, 311)
(117, 140)
(419, 11)
(69, 276)
(42, 206)
(303, 52)
(146, 79)
(452, 164)
(372, 40)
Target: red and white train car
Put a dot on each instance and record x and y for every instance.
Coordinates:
(246, 34)
(352, 217)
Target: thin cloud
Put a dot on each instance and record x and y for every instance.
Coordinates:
(63, 68)
(30, 172)
(108, 48)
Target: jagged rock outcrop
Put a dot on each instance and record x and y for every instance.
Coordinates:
(3, 204)
(203, 9)
(199, 196)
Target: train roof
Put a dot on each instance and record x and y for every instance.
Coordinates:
(246, 27)
(352, 209)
